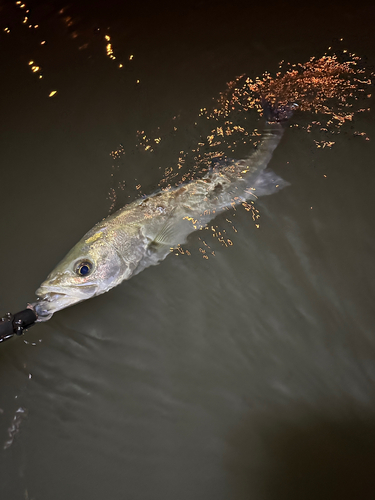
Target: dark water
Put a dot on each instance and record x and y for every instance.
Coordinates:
(246, 375)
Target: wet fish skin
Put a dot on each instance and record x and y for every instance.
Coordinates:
(143, 232)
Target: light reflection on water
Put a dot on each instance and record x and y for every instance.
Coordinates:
(199, 378)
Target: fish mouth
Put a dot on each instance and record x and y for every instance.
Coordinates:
(50, 302)
(45, 307)
(53, 299)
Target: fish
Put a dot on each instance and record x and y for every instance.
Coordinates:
(144, 232)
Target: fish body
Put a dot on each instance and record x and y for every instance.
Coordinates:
(143, 232)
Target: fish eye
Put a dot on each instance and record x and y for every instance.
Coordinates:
(84, 267)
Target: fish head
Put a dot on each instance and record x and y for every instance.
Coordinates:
(92, 267)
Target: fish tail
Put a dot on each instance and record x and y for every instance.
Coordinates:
(278, 113)
(234, 181)
(276, 118)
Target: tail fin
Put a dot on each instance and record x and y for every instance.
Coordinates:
(276, 113)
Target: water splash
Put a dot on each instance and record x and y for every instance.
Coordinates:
(329, 90)
(13, 430)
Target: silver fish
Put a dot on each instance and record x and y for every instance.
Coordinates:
(143, 233)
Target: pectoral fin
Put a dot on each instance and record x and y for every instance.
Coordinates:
(174, 231)
(167, 234)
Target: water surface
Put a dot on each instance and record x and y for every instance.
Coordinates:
(249, 374)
